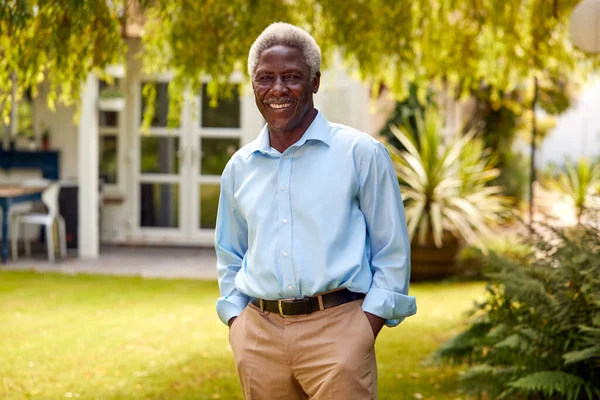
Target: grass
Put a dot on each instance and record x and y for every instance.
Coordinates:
(103, 337)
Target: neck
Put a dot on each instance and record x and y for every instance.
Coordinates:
(281, 140)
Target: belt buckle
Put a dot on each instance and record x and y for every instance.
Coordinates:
(280, 302)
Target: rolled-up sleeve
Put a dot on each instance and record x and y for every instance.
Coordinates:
(231, 244)
(381, 203)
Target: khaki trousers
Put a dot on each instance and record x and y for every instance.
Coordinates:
(326, 355)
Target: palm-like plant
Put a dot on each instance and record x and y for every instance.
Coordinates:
(579, 182)
(444, 181)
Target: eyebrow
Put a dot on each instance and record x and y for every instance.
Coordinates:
(287, 71)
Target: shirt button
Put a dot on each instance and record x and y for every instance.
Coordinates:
(285, 221)
(290, 287)
(286, 157)
(283, 187)
(285, 253)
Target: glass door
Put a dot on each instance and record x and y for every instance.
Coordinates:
(217, 134)
(160, 172)
(177, 171)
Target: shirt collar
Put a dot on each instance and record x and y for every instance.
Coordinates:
(318, 130)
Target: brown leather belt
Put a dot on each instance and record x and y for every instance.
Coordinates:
(307, 305)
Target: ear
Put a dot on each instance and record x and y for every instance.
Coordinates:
(316, 81)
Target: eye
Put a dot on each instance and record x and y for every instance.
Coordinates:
(291, 77)
(265, 78)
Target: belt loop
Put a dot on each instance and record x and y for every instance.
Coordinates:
(320, 298)
(262, 304)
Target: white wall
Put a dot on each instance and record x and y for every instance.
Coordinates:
(577, 133)
(63, 132)
(343, 99)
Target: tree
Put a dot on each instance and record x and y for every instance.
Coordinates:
(44, 39)
(454, 45)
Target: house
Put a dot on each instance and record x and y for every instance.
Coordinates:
(162, 187)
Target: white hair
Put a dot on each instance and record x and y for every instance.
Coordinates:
(282, 34)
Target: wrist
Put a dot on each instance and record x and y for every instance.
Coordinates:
(230, 322)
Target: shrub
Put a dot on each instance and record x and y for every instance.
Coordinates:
(579, 182)
(514, 177)
(471, 259)
(445, 183)
(537, 334)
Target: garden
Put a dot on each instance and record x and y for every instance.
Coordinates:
(503, 218)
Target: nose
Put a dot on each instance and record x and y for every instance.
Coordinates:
(278, 87)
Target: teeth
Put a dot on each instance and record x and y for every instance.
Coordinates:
(278, 106)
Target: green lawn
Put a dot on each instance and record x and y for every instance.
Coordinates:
(101, 337)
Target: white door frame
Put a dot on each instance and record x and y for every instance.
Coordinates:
(197, 234)
(189, 179)
(152, 235)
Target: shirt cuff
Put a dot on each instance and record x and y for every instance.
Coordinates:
(231, 306)
(394, 307)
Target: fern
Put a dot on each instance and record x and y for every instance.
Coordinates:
(486, 378)
(460, 348)
(586, 354)
(515, 342)
(549, 383)
(537, 334)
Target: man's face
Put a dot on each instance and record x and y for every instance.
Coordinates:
(283, 89)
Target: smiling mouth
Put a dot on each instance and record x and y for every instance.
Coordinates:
(279, 106)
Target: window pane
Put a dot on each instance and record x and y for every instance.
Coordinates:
(161, 105)
(108, 119)
(108, 159)
(209, 202)
(225, 115)
(159, 155)
(216, 153)
(159, 205)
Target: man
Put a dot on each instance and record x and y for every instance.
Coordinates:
(311, 239)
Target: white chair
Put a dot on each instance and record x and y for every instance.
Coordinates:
(28, 207)
(50, 200)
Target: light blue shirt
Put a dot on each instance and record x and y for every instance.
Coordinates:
(324, 214)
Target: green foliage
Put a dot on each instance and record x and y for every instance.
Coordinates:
(404, 113)
(459, 45)
(502, 122)
(41, 39)
(498, 123)
(453, 45)
(212, 44)
(514, 176)
(111, 92)
(472, 260)
(579, 182)
(25, 118)
(539, 326)
(485, 378)
(548, 383)
(444, 182)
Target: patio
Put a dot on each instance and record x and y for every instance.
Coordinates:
(156, 262)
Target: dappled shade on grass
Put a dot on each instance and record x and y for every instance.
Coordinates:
(103, 337)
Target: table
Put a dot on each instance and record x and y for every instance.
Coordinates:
(12, 194)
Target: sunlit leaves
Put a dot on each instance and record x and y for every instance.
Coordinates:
(63, 40)
(457, 45)
(444, 183)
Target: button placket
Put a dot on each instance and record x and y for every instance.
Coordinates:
(285, 226)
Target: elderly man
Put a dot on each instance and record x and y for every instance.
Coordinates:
(311, 239)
